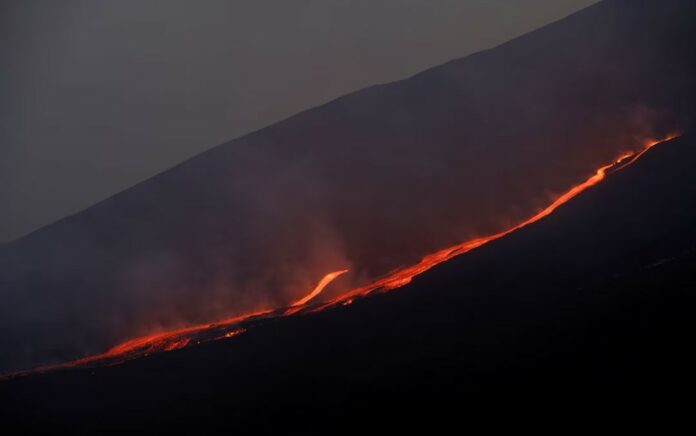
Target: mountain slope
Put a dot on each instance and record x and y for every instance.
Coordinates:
(368, 182)
(591, 305)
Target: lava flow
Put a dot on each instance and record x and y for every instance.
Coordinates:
(320, 287)
(404, 276)
(176, 339)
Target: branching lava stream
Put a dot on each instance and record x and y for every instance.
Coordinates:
(180, 338)
(320, 287)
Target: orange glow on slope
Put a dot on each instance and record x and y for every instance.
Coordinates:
(164, 341)
(404, 276)
(320, 287)
(180, 338)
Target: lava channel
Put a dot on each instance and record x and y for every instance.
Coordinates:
(232, 327)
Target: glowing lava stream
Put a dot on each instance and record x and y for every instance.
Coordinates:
(175, 339)
(404, 276)
(320, 287)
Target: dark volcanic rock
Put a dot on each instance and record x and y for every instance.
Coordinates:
(588, 309)
(370, 181)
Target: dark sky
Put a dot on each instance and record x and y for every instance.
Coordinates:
(97, 96)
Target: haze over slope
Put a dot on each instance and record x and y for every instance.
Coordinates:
(368, 182)
(591, 305)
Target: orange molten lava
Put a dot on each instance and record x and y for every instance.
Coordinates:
(404, 276)
(320, 287)
(164, 341)
(175, 339)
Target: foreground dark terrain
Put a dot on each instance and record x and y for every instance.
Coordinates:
(585, 311)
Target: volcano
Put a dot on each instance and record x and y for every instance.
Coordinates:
(370, 182)
(597, 297)
(228, 281)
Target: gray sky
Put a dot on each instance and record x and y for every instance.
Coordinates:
(97, 96)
